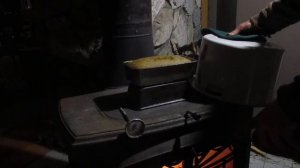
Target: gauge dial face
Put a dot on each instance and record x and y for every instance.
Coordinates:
(135, 128)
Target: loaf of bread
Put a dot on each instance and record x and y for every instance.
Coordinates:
(157, 61)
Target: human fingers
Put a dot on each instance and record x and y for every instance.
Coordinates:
(241, 28)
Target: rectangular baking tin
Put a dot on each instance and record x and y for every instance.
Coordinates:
(160, 75)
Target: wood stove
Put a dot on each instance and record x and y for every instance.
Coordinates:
(96, 136)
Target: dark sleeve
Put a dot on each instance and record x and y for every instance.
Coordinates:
(276, 16)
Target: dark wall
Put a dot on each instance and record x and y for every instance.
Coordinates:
(226, 17)
(47, 52)
(222, 14)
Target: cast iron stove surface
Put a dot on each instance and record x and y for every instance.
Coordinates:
(98, 114)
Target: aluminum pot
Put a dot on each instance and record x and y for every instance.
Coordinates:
(239, 72)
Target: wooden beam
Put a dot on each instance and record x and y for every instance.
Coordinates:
(204, 13)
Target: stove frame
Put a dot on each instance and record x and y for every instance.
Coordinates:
(92, 144)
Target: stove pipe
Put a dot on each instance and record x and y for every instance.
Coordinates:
(129, 36)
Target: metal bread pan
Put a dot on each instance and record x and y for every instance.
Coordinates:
(160, 75)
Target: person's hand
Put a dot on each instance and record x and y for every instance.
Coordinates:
(243, 27)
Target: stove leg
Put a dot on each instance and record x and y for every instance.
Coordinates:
(188, 162)
(242, 137)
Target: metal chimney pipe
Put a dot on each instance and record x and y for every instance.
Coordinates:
(129, 37)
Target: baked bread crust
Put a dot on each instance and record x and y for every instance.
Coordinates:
(157, 61)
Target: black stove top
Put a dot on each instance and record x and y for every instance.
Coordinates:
(98, 114)
(96, 128)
